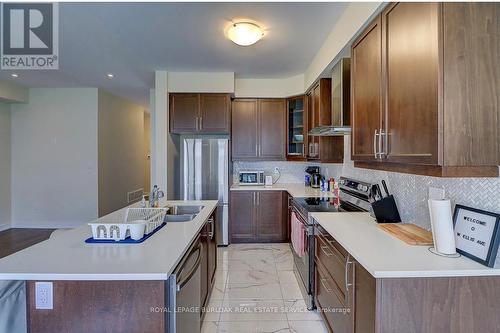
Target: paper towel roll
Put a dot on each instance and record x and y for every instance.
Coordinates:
(442, 226)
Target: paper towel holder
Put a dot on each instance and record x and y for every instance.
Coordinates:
(454, 255)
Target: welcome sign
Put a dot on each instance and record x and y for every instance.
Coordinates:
(477, 234)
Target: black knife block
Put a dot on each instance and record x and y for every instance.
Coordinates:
(386, 211)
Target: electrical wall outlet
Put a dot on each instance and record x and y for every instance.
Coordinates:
(44, 298)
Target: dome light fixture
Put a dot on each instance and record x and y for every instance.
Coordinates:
(245, 33)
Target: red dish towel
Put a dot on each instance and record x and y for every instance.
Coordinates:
(298, 235)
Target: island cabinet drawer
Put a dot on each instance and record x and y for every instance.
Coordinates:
(336, 313)
(335, 263)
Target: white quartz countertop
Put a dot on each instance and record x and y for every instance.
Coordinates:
(295, 190)
(385, 256)
(65, 256)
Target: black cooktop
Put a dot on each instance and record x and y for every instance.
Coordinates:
(315, 205)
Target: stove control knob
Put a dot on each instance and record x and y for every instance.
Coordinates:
(360, 187)
(365, 188)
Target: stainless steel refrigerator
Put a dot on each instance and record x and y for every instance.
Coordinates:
(205, 176)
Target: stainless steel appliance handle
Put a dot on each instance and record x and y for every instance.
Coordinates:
(375, 135)
(347, 284)
(325, 285)
(211, 232)
(380, 151)
(182, 283)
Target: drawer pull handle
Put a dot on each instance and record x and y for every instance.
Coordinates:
(325, 285)
(324, 248)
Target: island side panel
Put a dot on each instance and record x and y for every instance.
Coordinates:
(99, 306)
(440, 305)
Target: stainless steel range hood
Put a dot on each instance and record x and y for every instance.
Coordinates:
(341, 97)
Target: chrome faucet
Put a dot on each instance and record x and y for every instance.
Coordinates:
(155, 196)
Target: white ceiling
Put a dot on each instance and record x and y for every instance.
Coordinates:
(133, 40)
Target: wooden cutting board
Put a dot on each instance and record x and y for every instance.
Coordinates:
(408, 233)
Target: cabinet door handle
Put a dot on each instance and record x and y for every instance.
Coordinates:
(347, 284)
(212, 225)
(201, 123)
(329, 253)
(325, 285)
(254, 200)
(258, 199)
(375, 135)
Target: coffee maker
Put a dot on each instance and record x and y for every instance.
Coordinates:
(313, 177)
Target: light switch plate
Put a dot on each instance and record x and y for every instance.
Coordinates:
(44, 298)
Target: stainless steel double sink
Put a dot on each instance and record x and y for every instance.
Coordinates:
(182, 213)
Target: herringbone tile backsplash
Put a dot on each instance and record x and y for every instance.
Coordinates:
(410, 191)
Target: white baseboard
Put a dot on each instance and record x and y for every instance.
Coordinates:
(4, 226)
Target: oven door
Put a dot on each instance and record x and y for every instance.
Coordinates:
(302, 255)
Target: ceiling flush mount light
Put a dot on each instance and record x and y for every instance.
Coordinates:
(245, 33)
(14, 75)
(110, 75)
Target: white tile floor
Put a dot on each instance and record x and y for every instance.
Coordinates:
(256, 292)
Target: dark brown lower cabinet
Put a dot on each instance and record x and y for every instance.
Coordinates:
(352, 300)
(258, 216)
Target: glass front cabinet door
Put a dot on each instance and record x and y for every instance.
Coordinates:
(297, 128)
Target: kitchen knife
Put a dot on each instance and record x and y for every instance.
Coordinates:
(385, 188)
(378, 194)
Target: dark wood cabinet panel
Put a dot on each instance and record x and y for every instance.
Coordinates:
(215, 113)
(364, 300)
(99, 306)
(258, 216)
(269, 216)
(244, 129)
(366, 90)
(340, 320)
(272, 129)
(440, 83)
(242, 223)
(410, 69)
(184, 112)
(471, 91)
(199, 113)
(258, 129)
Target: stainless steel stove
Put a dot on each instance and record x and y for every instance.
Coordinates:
(354, 196)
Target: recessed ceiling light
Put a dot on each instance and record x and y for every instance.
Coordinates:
(110, 75)
(245, 33)
(14, 75)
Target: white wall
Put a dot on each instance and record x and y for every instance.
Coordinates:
(54, 158)
(207, 82)
(121, 151)
(5, 187)
(355, 16)
(278, 88)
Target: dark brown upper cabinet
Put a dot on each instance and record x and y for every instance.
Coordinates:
(199, 113)
(328, 149)
(366, 92)
(258, 129)
(297, 127)
(426, 90)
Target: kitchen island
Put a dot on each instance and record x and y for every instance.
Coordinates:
(106, 287)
